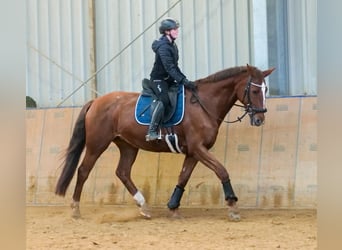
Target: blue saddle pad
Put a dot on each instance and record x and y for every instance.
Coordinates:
(143, 113)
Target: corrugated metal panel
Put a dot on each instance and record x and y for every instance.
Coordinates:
(302, 46)
(58, 51)
(214, 34)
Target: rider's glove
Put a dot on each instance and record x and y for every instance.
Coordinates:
(189, 84)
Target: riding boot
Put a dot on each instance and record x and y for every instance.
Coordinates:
(157, 115)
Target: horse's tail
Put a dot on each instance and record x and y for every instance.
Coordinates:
(73, 152)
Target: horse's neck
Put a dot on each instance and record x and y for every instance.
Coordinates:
(220, 97)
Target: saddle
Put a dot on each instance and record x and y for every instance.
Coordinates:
(174, 113)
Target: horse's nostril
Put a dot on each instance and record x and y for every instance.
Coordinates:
(257, 121)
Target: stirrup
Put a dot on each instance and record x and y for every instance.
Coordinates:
(152, 137)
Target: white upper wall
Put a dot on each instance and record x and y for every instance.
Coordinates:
(65, 45)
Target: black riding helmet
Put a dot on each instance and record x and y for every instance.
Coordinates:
(168, 24)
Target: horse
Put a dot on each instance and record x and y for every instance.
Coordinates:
(110, 118)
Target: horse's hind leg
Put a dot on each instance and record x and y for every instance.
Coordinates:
(82, 175)
(128, 155)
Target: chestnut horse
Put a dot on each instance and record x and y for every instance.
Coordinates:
(110, 118)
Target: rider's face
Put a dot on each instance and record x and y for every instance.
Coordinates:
(174, 33)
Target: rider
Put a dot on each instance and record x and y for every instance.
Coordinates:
(165, 72)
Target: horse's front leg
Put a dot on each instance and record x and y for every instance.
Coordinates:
(174, 202)
(211, 162)
(230, 197)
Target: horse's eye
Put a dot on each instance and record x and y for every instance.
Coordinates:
(255, 92)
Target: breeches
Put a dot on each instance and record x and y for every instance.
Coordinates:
(161, 89)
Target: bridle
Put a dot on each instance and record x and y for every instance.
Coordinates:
(249, 109)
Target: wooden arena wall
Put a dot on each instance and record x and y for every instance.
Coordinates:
(273, 166)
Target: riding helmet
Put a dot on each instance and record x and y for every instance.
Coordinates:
(168, 24)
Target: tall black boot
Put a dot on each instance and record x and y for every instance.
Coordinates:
(157, 115)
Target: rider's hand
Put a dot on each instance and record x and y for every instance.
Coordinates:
(189, 84)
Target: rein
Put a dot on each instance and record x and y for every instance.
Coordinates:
(195, 98)
(248, 109)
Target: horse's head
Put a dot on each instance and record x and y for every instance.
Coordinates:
(253, 94)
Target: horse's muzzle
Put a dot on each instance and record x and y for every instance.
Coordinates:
(256, 121)
(257, 116)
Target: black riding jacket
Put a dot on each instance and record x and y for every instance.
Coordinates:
(166, 61)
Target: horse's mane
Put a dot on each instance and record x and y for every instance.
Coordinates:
(223, 74)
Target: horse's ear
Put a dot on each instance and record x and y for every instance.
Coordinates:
(268, 72)
(249, 68)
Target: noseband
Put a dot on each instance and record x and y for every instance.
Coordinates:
(249, 109)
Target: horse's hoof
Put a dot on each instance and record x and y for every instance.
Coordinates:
(76, 214)
(233, 214)
(145, 211)
(174, 214)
